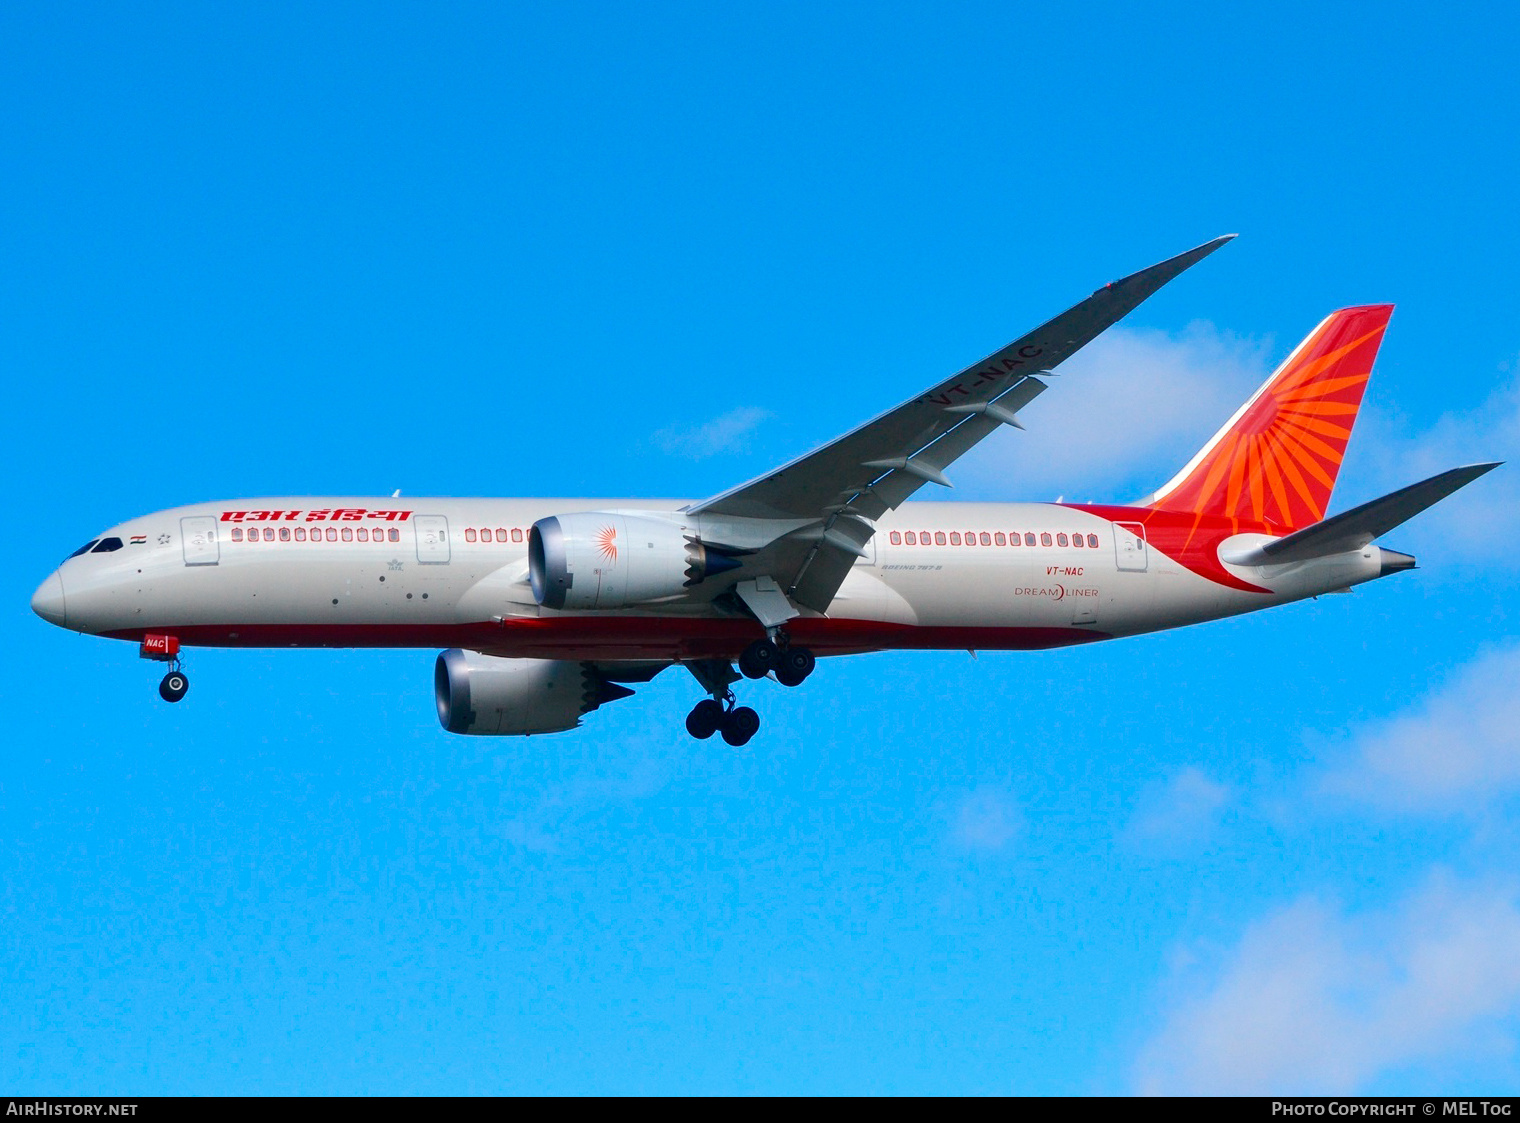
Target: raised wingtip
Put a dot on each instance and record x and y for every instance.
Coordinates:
(1159, 274)
(1210, 246)
(1198, 253)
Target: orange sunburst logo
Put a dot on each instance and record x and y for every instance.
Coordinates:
(606, 540)
(1276, 463)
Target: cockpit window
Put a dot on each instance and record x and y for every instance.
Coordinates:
(85, 549)
(107, 545)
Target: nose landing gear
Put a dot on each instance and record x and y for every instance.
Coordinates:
(165, 649)
(173, 686)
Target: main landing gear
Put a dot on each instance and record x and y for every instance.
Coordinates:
(737, 723)
(791, 665)
(165, 649)
(721, 713)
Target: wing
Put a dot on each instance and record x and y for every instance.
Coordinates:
(839, 487)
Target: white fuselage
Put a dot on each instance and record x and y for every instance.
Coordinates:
(360, 571)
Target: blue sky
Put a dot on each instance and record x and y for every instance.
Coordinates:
(589, 249)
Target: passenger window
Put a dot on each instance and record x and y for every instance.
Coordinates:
(363, 533)
(955, 538)
(1092, 541)
(1029, 538)
(501, 535)
(393, 534)
(237, 534)
(1060, 540)
(911, 538)
(300, 534)
(1076, 540)
(269, 534)
(939, 537)
(348, 534)
(284, 534)
(1001, 539)
(517, 534)
(987, 539)
(469, 534)
(107, 546)
(332, 534)
(895, 538)
(1044, 539)
(924, 538)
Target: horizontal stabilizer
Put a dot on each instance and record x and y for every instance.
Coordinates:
(1353, 529)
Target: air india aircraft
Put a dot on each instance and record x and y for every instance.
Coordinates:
(549, 607)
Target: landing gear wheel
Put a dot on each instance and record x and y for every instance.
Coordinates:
(795, 666)
(759, 658)
(739, 725)
(173, 686)
(705, 718)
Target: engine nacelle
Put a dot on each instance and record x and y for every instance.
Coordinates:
(606, 559)
(490, 696)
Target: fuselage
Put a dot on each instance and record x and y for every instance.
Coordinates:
(451, 572)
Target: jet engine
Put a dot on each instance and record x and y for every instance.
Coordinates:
(489, 696)
(602, 559)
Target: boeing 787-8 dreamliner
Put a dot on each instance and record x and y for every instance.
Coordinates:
(548, 607)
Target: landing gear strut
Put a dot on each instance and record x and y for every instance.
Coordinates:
(165, 649)
(720, 713)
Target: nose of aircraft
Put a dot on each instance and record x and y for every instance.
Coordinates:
(47, 601)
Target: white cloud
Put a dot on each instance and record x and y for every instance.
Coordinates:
(1483, 517)
(985, 820)
(1121, 417)
(728, 432)
(1127, 411)
(1456, 749)
(1313, 1000)
(1178, 813)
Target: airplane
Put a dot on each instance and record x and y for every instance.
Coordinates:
(550, 608)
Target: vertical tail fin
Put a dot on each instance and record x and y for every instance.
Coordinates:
(1276, 460)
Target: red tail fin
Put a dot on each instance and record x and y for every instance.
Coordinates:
(1276, 460)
